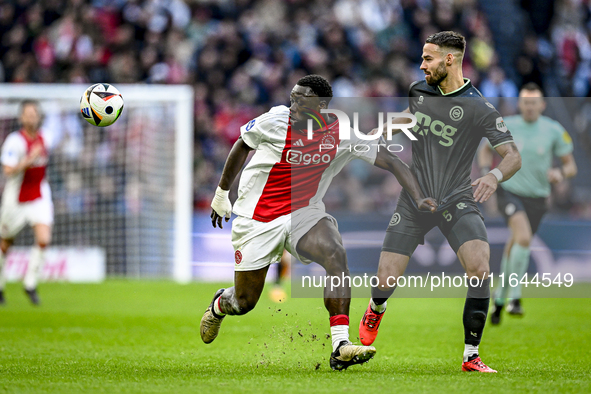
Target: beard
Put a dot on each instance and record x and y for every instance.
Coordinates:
(438, 75)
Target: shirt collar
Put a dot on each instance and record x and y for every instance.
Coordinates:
(466, 83)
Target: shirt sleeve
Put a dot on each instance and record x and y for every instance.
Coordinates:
(261, 129)
(563, 143)
(494, 127)
(12, 151)
(252, 133)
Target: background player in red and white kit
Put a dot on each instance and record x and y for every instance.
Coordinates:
(279, 207)
(27, 197)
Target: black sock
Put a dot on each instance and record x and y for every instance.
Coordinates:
(475, 312)
(380, 296)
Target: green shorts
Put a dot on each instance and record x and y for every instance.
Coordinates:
(460, 221)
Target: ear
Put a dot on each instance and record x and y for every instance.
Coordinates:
(322, 104)
(449, 59)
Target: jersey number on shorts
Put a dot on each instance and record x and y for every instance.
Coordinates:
(447, 216)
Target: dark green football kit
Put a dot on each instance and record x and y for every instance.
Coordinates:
(449, 130)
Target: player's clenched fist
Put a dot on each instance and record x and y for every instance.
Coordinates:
(427, 204)
(485, 187)
(220, 207)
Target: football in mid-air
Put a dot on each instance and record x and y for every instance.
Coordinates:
(101, 104)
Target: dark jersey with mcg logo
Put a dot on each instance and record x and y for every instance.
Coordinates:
(449, 129)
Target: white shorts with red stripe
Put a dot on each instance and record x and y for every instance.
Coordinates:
(259, 244)
(14, 217)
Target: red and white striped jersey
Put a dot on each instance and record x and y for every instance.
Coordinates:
(28, 185)
(289, 171)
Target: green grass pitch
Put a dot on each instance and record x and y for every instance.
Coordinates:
(127, 336)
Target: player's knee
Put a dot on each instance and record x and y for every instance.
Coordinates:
(42, 244)
(479, 268)
(523, 239)
(245, 304)
(480, 271)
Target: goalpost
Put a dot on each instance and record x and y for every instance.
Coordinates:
(126, 188)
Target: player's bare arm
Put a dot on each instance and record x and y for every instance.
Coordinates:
(511, 163)
(567, 170)
(392, 163)
(221, 205)
(35, 152)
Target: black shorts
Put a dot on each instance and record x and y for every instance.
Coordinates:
(460, 222)
(534, 207)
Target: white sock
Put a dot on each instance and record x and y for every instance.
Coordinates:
(339, 334)
(470, 350)
(2, 271)
(378, 308)
(35, 262)
(216, 307)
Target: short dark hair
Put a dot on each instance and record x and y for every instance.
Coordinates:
(532, 87)
(318, 84)
(28, 102)
(449, 39)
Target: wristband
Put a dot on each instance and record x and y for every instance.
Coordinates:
(497, 173)
(221, 203)
(221, 192)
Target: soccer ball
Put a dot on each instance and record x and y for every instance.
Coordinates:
(101, 104)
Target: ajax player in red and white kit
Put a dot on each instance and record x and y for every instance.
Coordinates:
(279, 207)
(27, 197)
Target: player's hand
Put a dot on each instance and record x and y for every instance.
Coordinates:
(427, 204)
(220, 207)
(555, 175)
(485, 187)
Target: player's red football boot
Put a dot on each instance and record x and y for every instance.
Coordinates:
(368, 326)
(476, 365)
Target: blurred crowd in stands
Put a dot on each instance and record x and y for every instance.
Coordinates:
(243, 56)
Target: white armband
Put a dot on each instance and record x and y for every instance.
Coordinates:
(497, 173)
